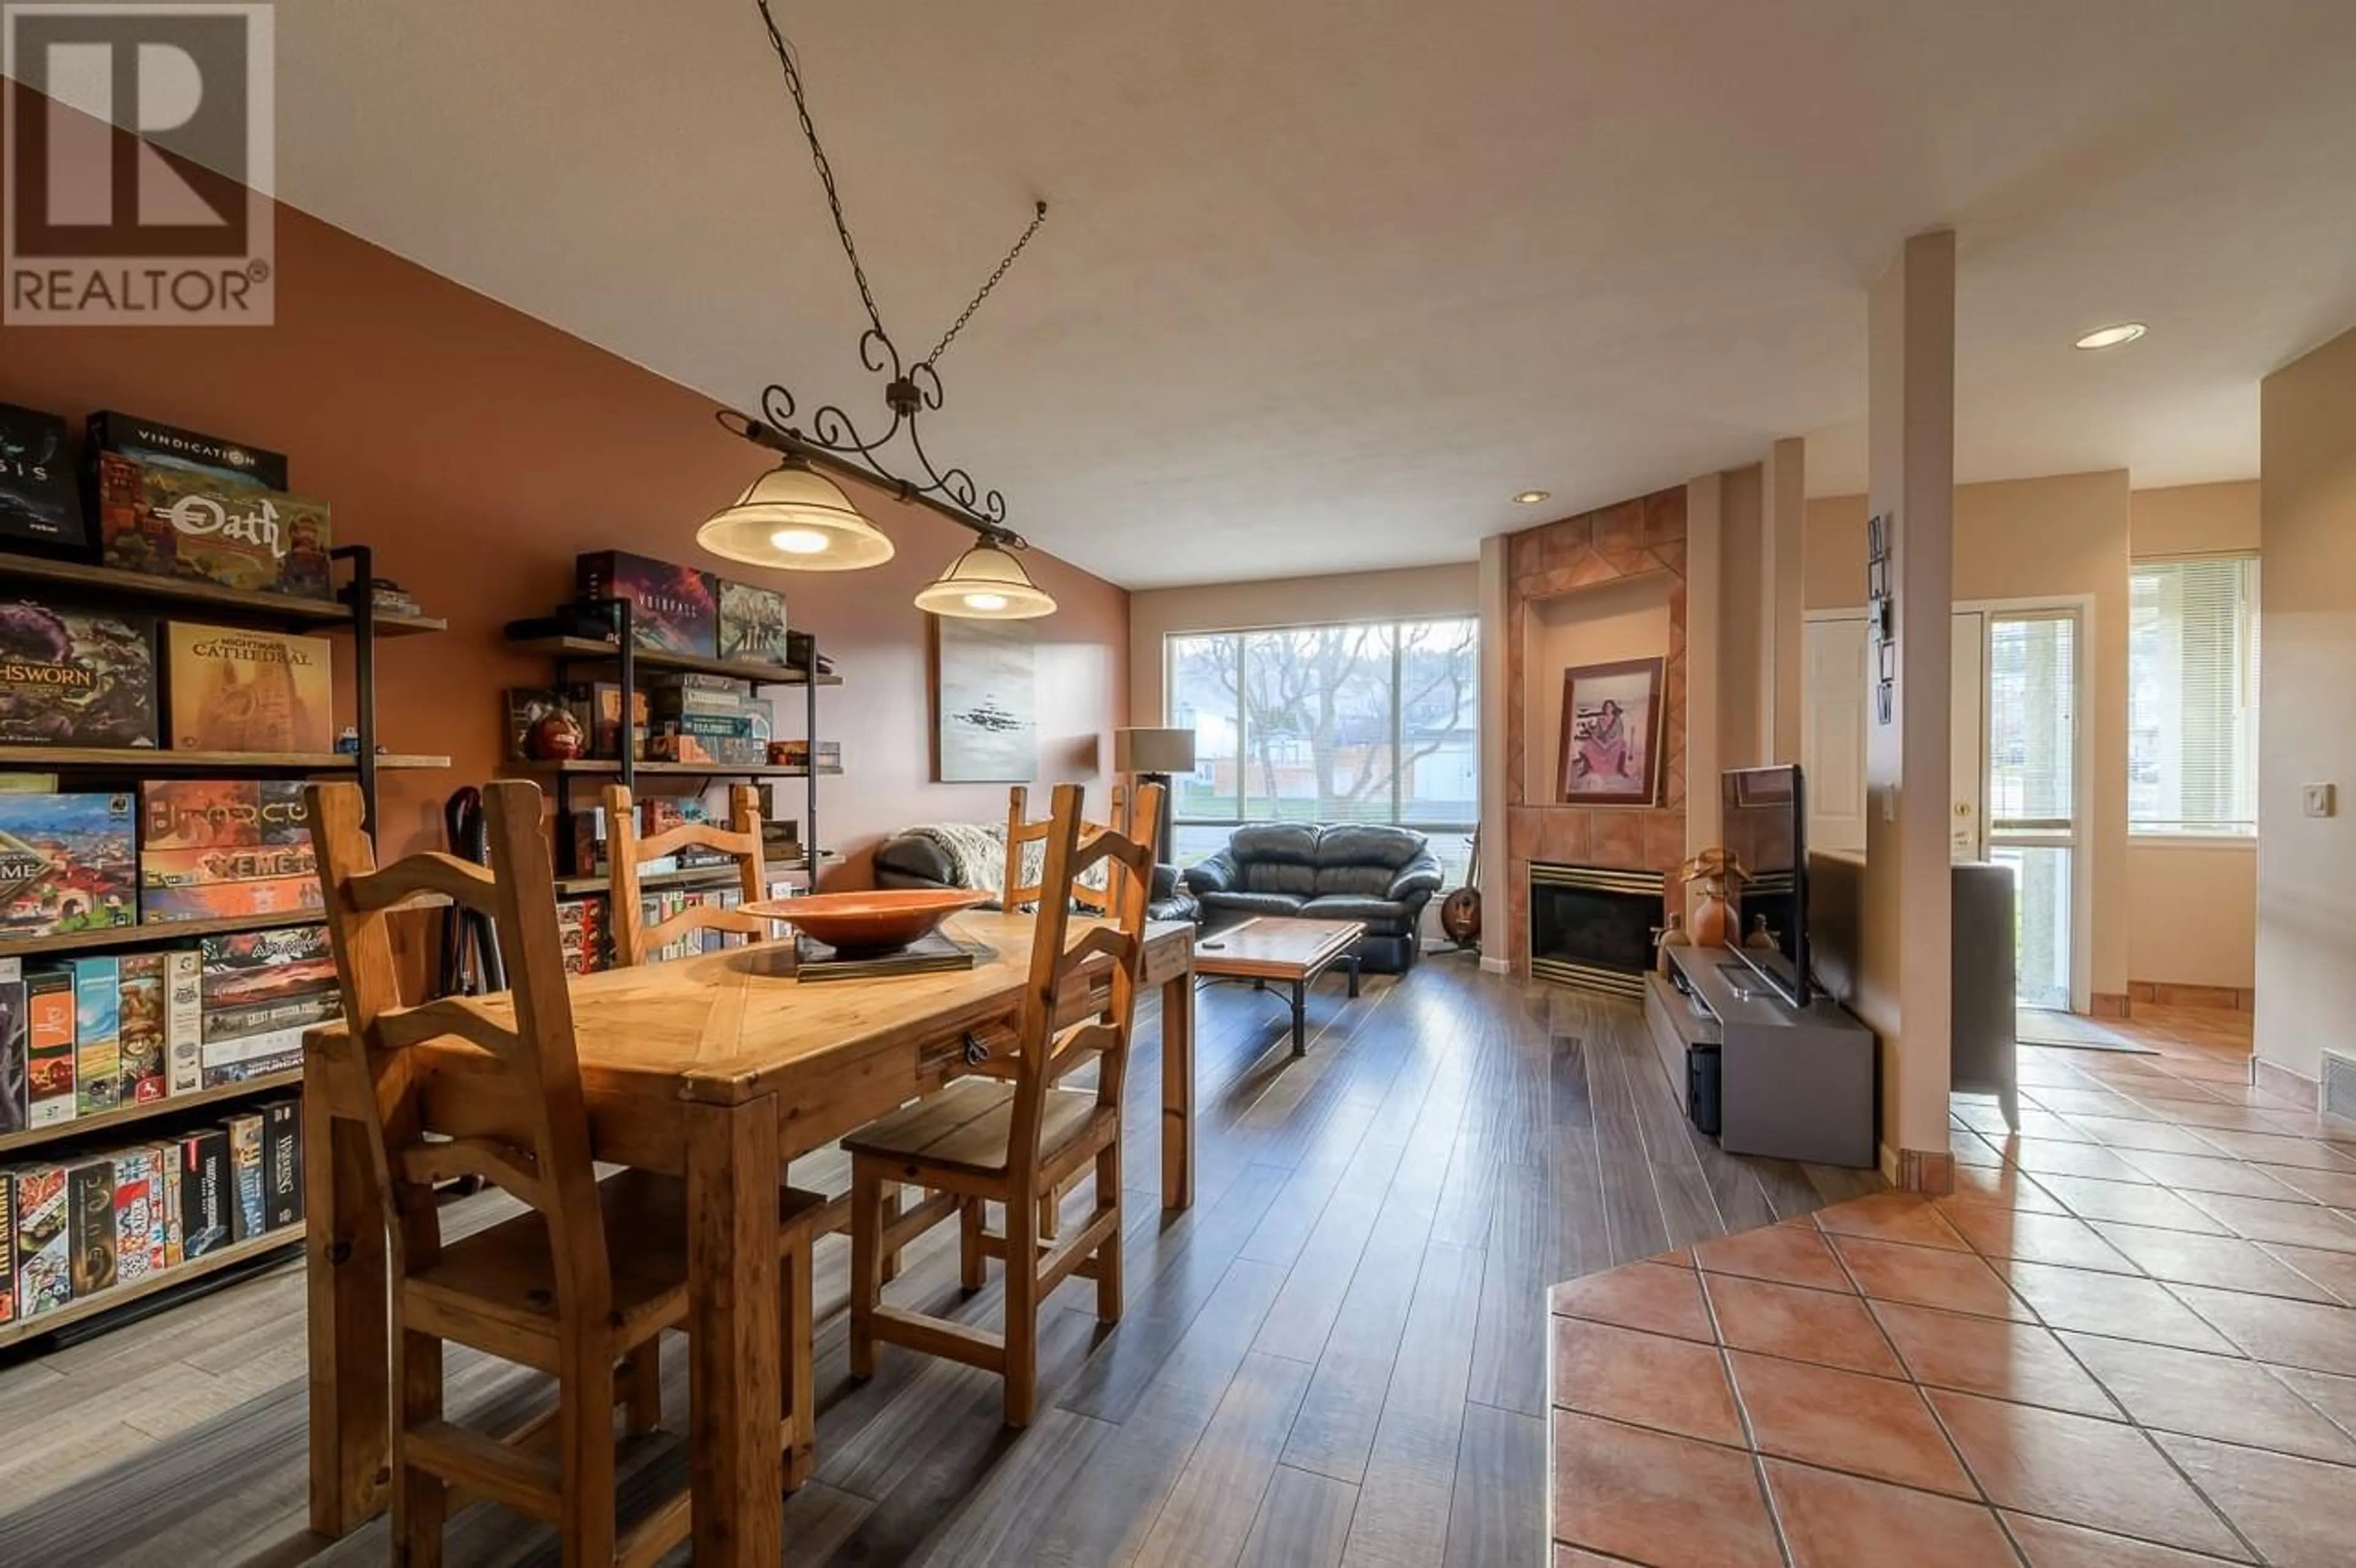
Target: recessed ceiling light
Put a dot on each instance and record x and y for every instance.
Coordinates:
(2111, 336)
(1531, 497)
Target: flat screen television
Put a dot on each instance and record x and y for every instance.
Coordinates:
(1763, 821)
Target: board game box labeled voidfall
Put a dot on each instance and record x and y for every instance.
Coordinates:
(192, 525)
(68, 863)
(238, 690)
(752, 623)
(40, 501)
(160, 445)
(673, 608)
(75, 678)
(215, 848)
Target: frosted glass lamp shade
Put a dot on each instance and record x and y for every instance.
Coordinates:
(795, 518)
(1153, 750)
(986, 583)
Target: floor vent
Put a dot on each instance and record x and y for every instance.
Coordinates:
(2339, 1081)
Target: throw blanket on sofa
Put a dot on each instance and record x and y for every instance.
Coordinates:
(978, 855)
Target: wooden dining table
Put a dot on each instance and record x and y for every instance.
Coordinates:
(718, 1069)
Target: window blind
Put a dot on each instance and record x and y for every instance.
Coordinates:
(2192, 697)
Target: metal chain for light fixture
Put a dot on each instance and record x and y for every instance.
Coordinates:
(908, 391)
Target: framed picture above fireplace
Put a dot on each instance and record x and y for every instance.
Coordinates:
(1612, 733)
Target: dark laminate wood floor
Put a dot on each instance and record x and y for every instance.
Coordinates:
(1336, 1357)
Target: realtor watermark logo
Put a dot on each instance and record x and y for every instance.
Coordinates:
(139, 164)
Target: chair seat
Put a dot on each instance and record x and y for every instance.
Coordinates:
(966, 1127)
(507, 1272)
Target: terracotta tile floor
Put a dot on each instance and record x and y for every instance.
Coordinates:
(2128, 1340)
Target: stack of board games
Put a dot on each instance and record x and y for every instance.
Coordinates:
(673, 608)
(260, 990)
(75, 1227)
(71, 676)
(752, 623)
(216, 848)
(41, 508)
(711, 719)
(174, 503)
(581, 926)
(82, 1036)
(656, 907)
(796, 753)
(238, 690)
(68, 863)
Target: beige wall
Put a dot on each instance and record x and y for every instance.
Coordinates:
(1744, 654)
(1405, 595)
(2035, 538)
(1627, 618)
(2307, 694)
(2196, 519)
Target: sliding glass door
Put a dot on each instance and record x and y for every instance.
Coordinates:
(2031, 810)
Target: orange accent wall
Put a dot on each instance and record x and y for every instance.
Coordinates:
(479, 451)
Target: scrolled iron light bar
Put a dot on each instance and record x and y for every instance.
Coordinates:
(948, 494)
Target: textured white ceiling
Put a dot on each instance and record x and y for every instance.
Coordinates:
(1326, 283)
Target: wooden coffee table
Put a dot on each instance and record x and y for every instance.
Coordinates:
(1294, 952)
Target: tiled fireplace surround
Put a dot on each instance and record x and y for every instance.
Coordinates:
(1635, 539)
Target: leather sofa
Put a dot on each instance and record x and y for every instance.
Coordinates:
(914, 860)
(1381, 875)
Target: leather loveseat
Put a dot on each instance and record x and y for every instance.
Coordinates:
(1381, 875)
(916, 860)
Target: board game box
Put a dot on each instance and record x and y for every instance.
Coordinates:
(215, 848)
(237, 690)
(138, 1213)
(206, 1188)
(98, 1039)
(44, 1244)
(7, 1246)
(49, 1048)
(247, 1215)
(140, 1028)
(243, 967)
(282, 1163)
(67, 863)
(75, 678)
(90, 1224)
(40, 501)
(184, 1062)
(194, 525)
(752, 623)
(673, 608)
(161, 445)
(598, 705)
(16, 1050)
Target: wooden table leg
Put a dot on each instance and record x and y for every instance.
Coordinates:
(1178, 1090)
(735, 1381)
(350, 1344)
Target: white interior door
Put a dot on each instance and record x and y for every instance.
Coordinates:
(1967, 737)
(1832, 731)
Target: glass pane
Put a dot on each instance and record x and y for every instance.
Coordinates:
(2032, 721)
(1317, 724)
(2191, 707)
(1202, 682)
(1439, 707)
(1191, 843)
(2041, 892)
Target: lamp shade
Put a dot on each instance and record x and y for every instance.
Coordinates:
(1153, 750)
(795, 518)
(986, 583)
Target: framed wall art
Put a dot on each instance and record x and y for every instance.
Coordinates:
(986, 689)
(1612, 724)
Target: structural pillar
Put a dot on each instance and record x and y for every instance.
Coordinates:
(1494, 866)
(1905, 991)
(1783, 531)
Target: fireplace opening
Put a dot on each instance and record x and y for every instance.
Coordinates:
(1593, 927)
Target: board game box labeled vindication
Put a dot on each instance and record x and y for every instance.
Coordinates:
(238, 690)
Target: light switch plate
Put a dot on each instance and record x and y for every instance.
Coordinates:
(2318, 799)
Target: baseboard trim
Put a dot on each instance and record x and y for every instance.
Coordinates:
(2275, 1079)
(2107, 1005)
(2171, 994)
(1495, 966)
(1930, 1172)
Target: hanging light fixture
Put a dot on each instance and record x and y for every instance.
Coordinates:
(797, 518)
(986, 583)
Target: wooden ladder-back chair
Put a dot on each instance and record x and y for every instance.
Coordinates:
(984, 1140)
(1024, 883)
(627, 850)
(586, 1280)
(632, 940)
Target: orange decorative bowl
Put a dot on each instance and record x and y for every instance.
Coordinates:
(877, 922)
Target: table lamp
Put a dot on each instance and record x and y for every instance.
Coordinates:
(1152, 756)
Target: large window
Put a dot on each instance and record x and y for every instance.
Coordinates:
(2192, 710)
(1371, 722)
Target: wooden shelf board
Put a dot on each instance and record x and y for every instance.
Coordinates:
(160, 758)
(150, 932)
(195, 1268)
(647, 659)
(701, 876)
(210, 596)
(587, 765)
(33, 1137)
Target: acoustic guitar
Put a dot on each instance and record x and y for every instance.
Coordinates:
(1459, 912)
